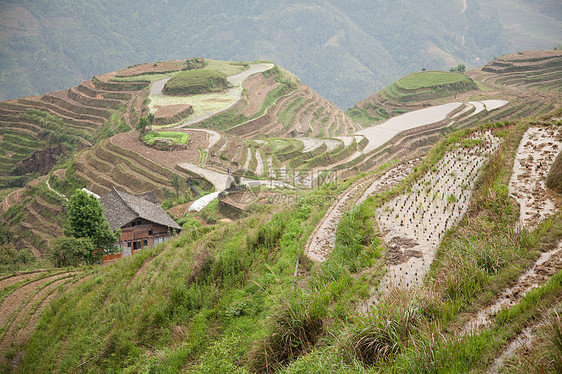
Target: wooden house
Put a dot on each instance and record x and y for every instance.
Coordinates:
(142, 220)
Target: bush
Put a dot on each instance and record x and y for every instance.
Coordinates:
(388, 328)
(293, 328)
(7, 254)
(70, 251)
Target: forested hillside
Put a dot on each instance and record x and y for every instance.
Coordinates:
(345, 50)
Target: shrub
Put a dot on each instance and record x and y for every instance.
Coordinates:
(382, 334)
(294, 326)
(70, 251)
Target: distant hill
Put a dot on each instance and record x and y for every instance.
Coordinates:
(345, 50)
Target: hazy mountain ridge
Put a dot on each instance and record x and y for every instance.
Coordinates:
(343, 50)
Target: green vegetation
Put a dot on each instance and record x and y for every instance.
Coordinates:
(226, 67)
(362, 115)
(287, 113)
(86, 220)
(195, 82)
(115, 125)
(144, 124)
(175, 137)
(428, 79)
(223, 297)
(460, 68)
(69, 251)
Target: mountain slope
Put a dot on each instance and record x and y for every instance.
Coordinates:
(343, 50)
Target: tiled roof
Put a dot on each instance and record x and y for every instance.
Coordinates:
(120, 208)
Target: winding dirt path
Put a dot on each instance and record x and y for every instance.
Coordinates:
(236, 91)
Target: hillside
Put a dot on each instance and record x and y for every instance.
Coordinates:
(527, 70)
(414, 234)
(220, 298)
(88, 118)
(344, 50)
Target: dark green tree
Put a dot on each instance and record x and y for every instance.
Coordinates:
(5, 233)
(460, 68)
(176, 183)
(70, 251)
(143, 125)
(86, 220)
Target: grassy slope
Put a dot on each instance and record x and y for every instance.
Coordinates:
(195, 82)
(426, 79)
(219, 299)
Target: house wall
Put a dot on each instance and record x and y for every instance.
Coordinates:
(140, 234)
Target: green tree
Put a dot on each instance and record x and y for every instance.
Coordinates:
(86, 220)
(460, 68)
(70, 251)
(176, 183)
(143, 125)
(5, 234)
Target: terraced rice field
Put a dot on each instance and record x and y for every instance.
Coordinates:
(323, 239)
(525, 70)
(378, 135)
(535, 155)
(76, 113)
(302, 113)
(414, 223)
(23, 297)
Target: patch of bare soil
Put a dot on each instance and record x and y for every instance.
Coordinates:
(399, 250)
(257, 87)
(172, 113)
(180, 210)
(157, 67)
(168, 159)
(8, 281)
(60, 173)
(535, 155)
(41, 161)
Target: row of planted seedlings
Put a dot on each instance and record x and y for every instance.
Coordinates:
(417, 220)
